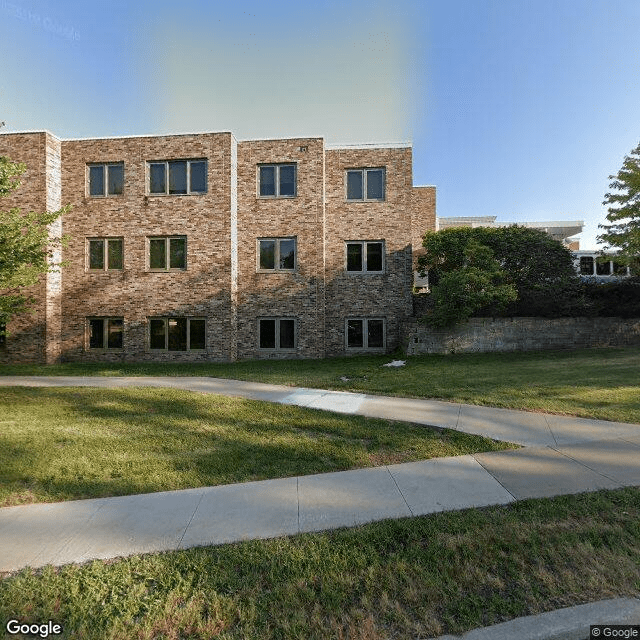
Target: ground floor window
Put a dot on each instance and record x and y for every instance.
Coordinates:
(277, 333)
(3, 335)
(105, 333)
(365, 333)
(177, 334)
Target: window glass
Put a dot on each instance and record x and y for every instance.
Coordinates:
(374, 256)
(586, 266)
(197, 334)
(96, 181)
(115, 333)
(96, 254)
(157, 253)
(354, 185)
(177, 334)
(156, 333)
(114, 254)
(267, 254)
(198, 177)
(177, 253)
(116, 179)
(3, 334)
(603, 268)
(375, 189)
(178, 177)
(354, 333)
(267, 181)
(375, 333)
(267, 334)
(619, 269)
(96, 333)
(287, 334)
(288, 254)
(157, 178)
(354, 256)
(287, 180)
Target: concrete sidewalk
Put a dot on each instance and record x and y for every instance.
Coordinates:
(564, 455)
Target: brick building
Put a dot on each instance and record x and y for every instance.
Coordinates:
(198, 247)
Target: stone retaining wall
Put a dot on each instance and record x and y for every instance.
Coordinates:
(521, 334)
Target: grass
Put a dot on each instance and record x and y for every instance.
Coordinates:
(403, 579)
(71, 443)
(593, 383)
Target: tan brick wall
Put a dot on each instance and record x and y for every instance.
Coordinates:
(423, 218)
(386, 295)
(298, 294)
(26, 340)
(222, 281)
(135, 292)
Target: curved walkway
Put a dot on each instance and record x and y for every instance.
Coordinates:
(561, 455)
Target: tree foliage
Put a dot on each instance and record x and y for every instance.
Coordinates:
(623, 234)
(497, 271)
(26, 248)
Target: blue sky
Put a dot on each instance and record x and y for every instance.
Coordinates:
(515, 108)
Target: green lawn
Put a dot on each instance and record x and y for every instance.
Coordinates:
(70, 443)
(594, 383)
(403, 579)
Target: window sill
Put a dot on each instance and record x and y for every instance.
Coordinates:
(175, 195)
(365, 200)
(166, 270)
(364, 273)
(277, 197)
(276, 271)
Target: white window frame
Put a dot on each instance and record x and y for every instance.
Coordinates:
(363, 244)
(166, 320)
(166, 177)
(277, 167)
(105, 333)
(167, 249)
(105, 253)
(105, 177)
(365, 333)
(276, 262)
(364, 171)
(277, 334)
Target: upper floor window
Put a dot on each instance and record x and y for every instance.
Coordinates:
(105, 253)
(106, 179)
(365, 184)
(586, 266)
(277, 180)
(365, 256)
(167, 253)
(178, 177)
(276, 254)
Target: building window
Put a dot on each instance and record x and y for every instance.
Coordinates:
(3, 335)
(276, 254)
(106, 179)
(105, 333)
(277, 180)
(178, 177)
(105, 253)
(167, 254)
(365, 256)
(586, 266)
(603, 268)
(365, 333)
(177, 334)
(365, 184)
(277, 333)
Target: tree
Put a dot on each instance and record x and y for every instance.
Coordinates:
(26, 248)
(519, 271)
(623, 234)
